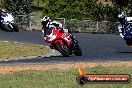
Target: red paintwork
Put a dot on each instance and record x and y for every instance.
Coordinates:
(61, 37)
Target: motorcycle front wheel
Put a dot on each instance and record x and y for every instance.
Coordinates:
(15, 27)
(6, 27)
(63, 49)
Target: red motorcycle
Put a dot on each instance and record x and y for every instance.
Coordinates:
(63, 42)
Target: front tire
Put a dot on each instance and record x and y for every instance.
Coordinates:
(15, 27)
(6, 27)
(129, 42)
(63, 49)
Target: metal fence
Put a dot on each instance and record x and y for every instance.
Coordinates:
(29, 22)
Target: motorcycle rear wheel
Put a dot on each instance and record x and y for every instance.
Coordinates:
(63, 49)
(78, 50)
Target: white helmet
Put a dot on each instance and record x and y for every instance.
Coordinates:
(45, 19)
(122, 17)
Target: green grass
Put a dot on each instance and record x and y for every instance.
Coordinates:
(13, 50)
(59, 78)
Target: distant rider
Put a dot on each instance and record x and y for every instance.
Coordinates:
(2, 11)
(122, 18)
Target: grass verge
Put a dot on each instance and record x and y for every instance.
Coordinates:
(60, 78)
(10, 50)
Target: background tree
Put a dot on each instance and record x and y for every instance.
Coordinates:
(18, 6)
(71, 9)
(122, 5)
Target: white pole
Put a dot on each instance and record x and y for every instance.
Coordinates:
(30, 22)
(97, 26)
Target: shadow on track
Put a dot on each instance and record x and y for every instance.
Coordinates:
(40, 60)
(125, 52)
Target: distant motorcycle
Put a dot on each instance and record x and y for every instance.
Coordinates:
(63, 43)
(126, 32)
(7, 22)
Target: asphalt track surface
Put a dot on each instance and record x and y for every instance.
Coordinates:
(96, 47)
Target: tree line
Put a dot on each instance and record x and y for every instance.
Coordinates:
(70, 9)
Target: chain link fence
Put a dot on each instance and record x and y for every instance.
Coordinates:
(92, 26)
(30, 22)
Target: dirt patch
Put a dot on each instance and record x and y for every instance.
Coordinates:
(14, 68)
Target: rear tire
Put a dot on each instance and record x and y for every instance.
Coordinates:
(129, 42)
(63, 49)
(78, 50)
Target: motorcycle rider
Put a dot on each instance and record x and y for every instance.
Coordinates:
(48, 24)
(122, 18)
(2, 11)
